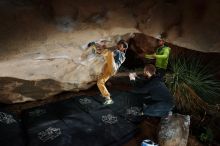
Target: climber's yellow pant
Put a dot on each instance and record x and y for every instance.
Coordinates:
(107, 72)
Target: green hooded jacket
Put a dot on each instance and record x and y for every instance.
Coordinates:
(162, 57)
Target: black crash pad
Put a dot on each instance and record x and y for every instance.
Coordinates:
(79, 121)
(87, 103)
(76, 121)
(34, 117)
(115, 127)
(54, 133)
(11, 133)
(127, 105)
(43, 127)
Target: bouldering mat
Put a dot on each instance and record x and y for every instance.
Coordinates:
(54, 133)
(67, 107)
(127, 105)
(43, 127)
(87, 103)
(86, 131)
(11, 133)
(115, 127)
(81, 120)
(39, 115)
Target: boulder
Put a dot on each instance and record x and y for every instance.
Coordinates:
(39, 75)
(174, 130)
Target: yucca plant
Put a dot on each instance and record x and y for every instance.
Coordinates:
(193, 85)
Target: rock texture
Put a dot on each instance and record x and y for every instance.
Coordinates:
(41, 41)
(38, 75)
(190, 24)
(174, 130)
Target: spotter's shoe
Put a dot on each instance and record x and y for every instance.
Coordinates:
(148, 142)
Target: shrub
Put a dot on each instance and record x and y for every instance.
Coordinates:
(193, 85)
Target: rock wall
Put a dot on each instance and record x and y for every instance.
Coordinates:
(41, 41)
(192, 24)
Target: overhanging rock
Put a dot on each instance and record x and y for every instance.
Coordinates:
(34, 76)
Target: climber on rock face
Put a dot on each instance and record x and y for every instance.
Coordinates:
(114, 59)
(92, 49)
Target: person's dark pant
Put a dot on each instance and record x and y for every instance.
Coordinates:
(157, 108)
(161, 72)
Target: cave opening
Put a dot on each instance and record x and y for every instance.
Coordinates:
(133, 60)
(138, 46)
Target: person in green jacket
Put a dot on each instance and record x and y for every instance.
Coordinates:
(161, 56)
